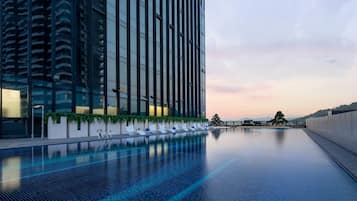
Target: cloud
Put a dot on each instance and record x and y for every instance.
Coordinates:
(295, 55)
(252, 64)
(224, 89)
(254, 91)
(331, 60)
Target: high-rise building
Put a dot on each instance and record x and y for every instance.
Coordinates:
(142, 57)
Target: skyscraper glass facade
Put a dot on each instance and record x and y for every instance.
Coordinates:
(142, 57)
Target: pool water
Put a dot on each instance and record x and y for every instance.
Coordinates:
(232, 164)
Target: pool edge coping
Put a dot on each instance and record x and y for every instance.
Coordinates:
(29, 142)
(338, 158)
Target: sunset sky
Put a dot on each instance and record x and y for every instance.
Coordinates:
(297, 56)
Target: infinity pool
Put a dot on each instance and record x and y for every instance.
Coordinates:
(240, 164)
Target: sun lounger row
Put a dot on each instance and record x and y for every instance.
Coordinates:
(162, 129)
(98, 128)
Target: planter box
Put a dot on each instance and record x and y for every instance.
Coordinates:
(95, 126)
(139, 125)
(115, 129)
(57, 131)
(74, 132)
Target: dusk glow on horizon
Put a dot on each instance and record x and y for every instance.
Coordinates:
(297, 56)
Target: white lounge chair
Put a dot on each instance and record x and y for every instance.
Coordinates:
(153, 129)
(179, 128)
(140, 132)
(99, 132)
(193, 128)
(199, 127)
(162, 129)
(130, 130)
(104, 134)
(203, 125)
(184, 128)
(173, 130)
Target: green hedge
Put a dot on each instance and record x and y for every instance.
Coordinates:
(72, 117)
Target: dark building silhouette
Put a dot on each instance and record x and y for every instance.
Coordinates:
(143, 57)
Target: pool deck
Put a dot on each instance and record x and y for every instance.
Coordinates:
(28, 142)
(344, 158)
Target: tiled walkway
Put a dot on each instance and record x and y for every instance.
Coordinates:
(344, 158)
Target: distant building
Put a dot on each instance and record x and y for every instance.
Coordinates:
(248, 122)
(232, 123)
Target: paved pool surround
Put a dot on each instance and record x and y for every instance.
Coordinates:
(342, 157)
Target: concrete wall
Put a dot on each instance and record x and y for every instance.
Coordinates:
(57, 130)
(339, 128)
(74, 131)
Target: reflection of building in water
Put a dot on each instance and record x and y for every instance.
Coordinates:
(118, 163)
(152, 150)
(11, 174)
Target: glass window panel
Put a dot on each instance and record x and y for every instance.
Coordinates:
(133, 58)
(111, 58)
(123, 76)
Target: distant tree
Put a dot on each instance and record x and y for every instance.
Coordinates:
(216, 120)
(279, 119)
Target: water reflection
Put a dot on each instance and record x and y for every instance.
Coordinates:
(57, 151)
(238, 166)
(280, 135)
(11, 171)
(116, 162)
(247, 130)
(216, 133)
